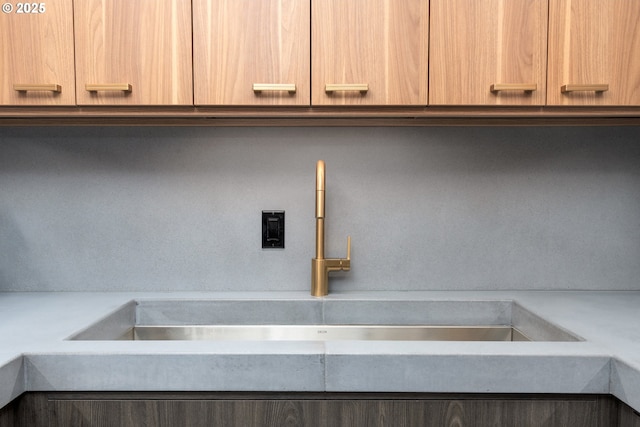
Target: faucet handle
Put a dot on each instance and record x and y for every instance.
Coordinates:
(344, 264)
(348, 248)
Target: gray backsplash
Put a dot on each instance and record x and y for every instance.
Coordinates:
(475, 208)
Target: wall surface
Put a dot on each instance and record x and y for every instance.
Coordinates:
(147, 209)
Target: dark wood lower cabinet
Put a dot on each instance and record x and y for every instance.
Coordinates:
(39, 409)
(627, 417)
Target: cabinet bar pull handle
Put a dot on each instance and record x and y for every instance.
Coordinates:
(527, 87)
(110, 87)
(44, 87)
(585, 88)
(278, 87)
(360, 87)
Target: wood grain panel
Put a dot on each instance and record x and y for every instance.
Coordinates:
(382, 43)
(37, 48)
(40, 409)
(340, 412)
(594, 42)
(477, 43)
(627, 417)
(241, 42)
(145, 43)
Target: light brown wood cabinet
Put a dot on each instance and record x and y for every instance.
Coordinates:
(594, 52)
(325, 52)
(133, 52)
(248, 52)
(435, 61)
(369, 52)
(488, 52)
(36, 53)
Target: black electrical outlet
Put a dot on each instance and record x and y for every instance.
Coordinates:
(273, 229)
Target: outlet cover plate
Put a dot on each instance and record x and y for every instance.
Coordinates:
(273, 229)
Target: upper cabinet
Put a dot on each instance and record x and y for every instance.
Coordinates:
(36, 53)
(369, 52)
(594, 52)
(133, 52)
(488, 52)
(248, 52)
(433, 61)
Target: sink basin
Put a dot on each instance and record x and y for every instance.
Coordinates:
(326, 333)
(317, 320)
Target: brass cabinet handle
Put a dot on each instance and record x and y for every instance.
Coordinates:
(585, 88)
(278, 87)
(526, 87)
(110, 87)
(33, 87)
(360, 87)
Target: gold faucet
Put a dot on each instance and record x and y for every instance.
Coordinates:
(321, 266)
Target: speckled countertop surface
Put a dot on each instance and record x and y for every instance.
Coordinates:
(35, 354)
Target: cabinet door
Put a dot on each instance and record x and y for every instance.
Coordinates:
(369, 52)
(135, 52)
(340, 412)
(594, 52)
(36, 53)
(627, 417)
(488, 52)
(248, 52)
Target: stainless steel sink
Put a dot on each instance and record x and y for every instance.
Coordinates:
(315, 320)
(324, 333)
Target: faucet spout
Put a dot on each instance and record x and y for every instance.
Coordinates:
(321, 266)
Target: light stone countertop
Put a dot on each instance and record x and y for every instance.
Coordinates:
(35, 355)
